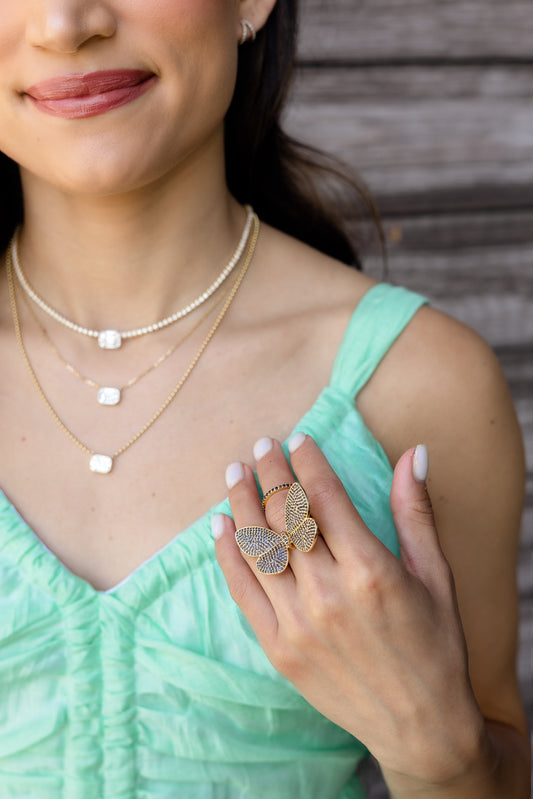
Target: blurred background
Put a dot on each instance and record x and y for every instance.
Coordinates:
(431, 102)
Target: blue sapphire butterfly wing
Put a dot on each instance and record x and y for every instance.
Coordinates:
(271, 549)
(301, 528)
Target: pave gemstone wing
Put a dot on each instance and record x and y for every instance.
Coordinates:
(274, 561)
(301, 528)
(271, 549)
(296, 507)
(305, 535)
(255, 541)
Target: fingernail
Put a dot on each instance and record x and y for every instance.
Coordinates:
(421, 463)
(234, 474)
(261, 447)
(295, 441)
(217, 526)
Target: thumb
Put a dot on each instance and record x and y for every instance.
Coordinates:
(413, 515)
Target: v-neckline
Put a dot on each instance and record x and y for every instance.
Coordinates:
(56, 578)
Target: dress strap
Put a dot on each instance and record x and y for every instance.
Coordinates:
(379, 318)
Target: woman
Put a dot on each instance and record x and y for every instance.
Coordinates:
(127, 669)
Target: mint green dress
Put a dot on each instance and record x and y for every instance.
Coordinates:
(157, 688)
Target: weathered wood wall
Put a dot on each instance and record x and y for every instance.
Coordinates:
(432, 102)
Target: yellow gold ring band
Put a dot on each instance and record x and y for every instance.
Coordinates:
(272, 491)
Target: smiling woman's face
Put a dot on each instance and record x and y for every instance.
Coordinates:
(102, 96)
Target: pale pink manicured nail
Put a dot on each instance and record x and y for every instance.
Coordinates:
(296, 441)
(217, 526)
(421, 463)
(234, 474)
(261, 447)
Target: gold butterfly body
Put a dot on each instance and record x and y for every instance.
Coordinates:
(272, 549)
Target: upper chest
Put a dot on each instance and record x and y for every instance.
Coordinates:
(167, 475)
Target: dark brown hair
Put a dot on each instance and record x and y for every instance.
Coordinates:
(286, 181)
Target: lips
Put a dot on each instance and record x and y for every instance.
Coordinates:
(83, 95)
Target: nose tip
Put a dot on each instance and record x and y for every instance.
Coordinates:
(66, 27)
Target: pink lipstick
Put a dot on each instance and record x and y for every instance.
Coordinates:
(85, 95)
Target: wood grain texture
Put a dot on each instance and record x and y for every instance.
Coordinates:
(431, 103)
(357, 30)
(426, 139)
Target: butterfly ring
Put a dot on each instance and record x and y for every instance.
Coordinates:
(272, 549)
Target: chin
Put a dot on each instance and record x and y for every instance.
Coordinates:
(99, 171)
(113, 163)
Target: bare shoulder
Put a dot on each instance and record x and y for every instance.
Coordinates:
(442, 385)
(447, 386)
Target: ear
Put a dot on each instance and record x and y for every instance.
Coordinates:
(255, 11)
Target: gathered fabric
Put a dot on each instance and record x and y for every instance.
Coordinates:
(158, 688)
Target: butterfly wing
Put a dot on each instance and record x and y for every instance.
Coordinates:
(255, 541)
(301, 528)
(296, 507)
(275, 560)
(271, 549)
(304, 537)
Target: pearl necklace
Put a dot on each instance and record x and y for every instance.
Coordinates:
(112, 339)
(103, 463)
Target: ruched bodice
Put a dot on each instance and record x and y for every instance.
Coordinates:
(158, 688)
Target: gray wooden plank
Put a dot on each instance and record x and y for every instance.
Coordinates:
(360, 30)
(433, 153)
(448, 232)
(349, 84)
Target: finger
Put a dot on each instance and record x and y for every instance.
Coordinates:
(243, 586)
(247, 511)
(413, 517)
(273, 470)
(341, 525)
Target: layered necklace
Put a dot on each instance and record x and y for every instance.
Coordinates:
(103, 463)
(111, 339)
(107, 395)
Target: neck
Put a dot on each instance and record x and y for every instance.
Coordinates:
(126, 261)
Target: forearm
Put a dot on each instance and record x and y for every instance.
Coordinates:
(501, 770)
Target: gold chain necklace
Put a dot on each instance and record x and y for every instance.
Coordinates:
(112, 339)
(99, 463)
(110, 396)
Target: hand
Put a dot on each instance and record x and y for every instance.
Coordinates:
(373, 642)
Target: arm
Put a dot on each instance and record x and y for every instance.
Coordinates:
(407, 694)
(476, 486)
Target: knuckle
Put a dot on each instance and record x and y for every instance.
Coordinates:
(372, 585)
(422, 511)
(364, 580)
(326, 606)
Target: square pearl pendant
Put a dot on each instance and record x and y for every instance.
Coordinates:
(109, 339)
(101, 464)
(108, 395)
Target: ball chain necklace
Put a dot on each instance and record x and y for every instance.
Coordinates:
(112, 339)
(110, 396)
(100, 463)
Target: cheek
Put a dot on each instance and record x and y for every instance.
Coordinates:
(185, 19)
(197, 43)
